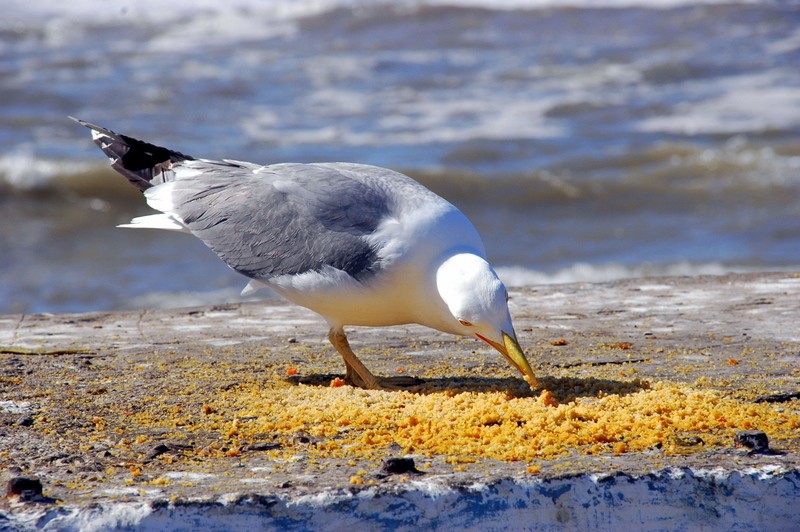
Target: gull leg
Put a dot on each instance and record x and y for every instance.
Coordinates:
(358, 374)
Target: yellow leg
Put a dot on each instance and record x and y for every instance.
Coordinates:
(358, 374)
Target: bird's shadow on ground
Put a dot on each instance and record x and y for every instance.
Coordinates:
(562, 389)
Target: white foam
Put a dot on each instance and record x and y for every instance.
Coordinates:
(597, 273)
(734, 105)
(91, 11)
(430, 118)
(23, 170)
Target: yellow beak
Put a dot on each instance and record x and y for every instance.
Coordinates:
(513, 353)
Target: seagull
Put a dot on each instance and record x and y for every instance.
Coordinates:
(359, 245)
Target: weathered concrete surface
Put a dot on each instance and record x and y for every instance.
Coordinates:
(72, 387)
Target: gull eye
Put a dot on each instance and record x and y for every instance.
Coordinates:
(465, 323)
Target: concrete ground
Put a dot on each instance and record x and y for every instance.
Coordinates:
(231, 416)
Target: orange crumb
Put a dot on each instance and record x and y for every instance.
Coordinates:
(733, 362)
(291, 371)
(400, 369)
(358, 478)
(559, 341)
(624, 345)
(546, 399)
(337, 382)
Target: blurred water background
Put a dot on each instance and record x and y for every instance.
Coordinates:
(586, 140)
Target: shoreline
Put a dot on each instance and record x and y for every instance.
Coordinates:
(136, 418)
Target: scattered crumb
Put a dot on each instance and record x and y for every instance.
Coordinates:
(337, 382)
(546, 399)
(358, 478)
(559, 342)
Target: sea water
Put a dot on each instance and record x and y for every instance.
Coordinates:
(586, 140)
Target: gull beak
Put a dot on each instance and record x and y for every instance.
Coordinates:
(513, 352)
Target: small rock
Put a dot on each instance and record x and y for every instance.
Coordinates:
(688, 441)
(778, 398)
(755, 440)
(26, 488)
(157, 451)
(398, 466)
(303, 438)
(24, 421)
(263, 446)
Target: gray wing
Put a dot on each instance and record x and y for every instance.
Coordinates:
(282, 219)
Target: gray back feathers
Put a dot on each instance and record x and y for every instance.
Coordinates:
(285, 219)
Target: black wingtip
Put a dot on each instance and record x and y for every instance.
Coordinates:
(93, 127)
(143, 164)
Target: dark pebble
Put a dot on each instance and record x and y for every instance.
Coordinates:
(398, 466)
(25, 421)
(26, 488)
(688, 441)
(755, 440)
(778, 398)
(263, 446)
(158, 450)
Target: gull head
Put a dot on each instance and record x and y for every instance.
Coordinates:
(477, 301)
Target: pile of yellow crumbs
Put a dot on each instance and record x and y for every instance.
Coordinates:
(347, 421)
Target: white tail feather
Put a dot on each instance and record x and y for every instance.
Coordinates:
(253, 286)
(159, 197)
(157, 221)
